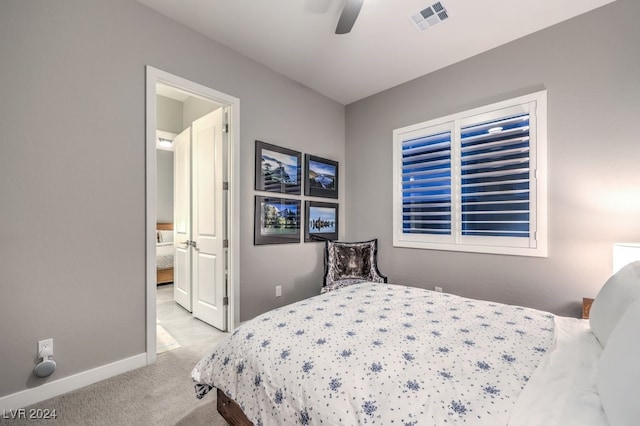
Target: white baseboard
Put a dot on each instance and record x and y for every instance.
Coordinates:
(67, 384)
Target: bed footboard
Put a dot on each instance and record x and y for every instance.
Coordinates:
(164, 276)
(231, 411)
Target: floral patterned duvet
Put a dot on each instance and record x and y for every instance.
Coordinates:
(380, 354)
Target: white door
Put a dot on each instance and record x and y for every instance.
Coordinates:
(207, 219)
(182, 293)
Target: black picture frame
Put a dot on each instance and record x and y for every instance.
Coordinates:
(321, 177)
(278, 169)
(276, 220)
(321, 221)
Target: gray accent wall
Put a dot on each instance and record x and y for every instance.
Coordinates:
(72, 167)
(590, 67)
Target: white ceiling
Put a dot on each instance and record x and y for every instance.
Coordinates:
(296, 37)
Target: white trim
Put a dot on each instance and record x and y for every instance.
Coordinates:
(155, 76)
(151, 212)
(70, 383)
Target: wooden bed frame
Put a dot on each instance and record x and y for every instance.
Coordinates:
(164, 276)
(231, 411)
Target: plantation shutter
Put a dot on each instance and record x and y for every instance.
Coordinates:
(474, 181)
(426, 184)
(495, 177)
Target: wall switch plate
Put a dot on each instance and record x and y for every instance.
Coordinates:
(45, 348)
(438, 289)
(278, 290)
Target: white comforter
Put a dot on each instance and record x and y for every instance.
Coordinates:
(164, 255)
(380, 354)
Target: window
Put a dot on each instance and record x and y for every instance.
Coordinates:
(474, 181)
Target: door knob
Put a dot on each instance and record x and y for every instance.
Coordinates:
(189, 243)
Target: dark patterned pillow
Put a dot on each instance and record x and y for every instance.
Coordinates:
(351, 261)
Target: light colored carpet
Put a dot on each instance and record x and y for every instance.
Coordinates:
(159, 394)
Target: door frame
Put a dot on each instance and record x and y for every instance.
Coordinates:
(153, 77)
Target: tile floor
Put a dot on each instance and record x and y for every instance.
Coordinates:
(179, 322)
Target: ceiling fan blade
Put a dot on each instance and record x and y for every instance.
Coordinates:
(348, 16)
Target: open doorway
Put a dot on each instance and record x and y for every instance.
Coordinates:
(177, 108)
(185, 123)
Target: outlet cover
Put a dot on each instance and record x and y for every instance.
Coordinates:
(45, 348)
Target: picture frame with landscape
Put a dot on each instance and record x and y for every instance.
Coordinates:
(276, 220)
(321, 177)
(321, 221)
(277, 169)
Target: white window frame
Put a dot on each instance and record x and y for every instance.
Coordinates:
(536, 244)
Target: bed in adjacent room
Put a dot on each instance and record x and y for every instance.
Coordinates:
(164, 253)
(377, 353)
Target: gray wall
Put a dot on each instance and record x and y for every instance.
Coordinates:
(72, 167)
(164, 201)
(591, 69)
(169, 114)
(194, 108)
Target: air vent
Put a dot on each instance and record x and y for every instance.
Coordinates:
(429, 16)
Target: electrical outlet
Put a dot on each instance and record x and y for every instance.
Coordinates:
(438, 289)
(278, 290)
(45, 348)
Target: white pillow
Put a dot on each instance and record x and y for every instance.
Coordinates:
(619, 372)
(166, 236)
(620, 291)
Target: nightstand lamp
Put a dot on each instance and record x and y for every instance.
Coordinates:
(625, 253)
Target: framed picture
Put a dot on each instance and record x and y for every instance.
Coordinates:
(277, 220)
(322, 177)
(321, 221)
(278, 169)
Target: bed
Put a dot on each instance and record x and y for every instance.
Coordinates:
(164, 253)
(377, 353)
